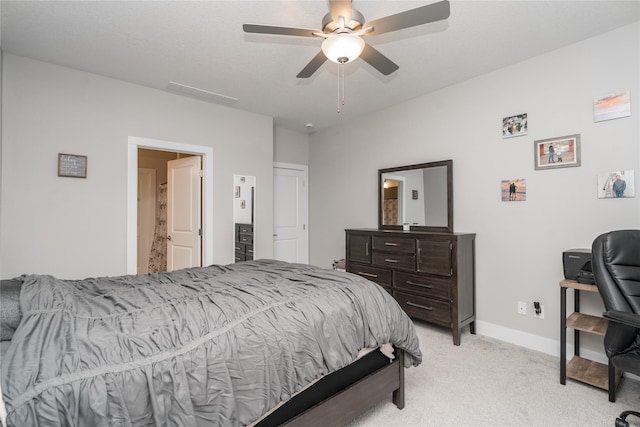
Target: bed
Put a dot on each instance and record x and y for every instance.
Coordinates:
(255, 343)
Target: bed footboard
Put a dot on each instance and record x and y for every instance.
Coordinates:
(352, 401)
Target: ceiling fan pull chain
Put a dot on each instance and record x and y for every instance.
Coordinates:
(339, 84)
(343, 82)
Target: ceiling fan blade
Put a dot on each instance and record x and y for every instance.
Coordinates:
(340, 8)
(378, 60)
(410, 18)
(283, 31)
(312, 66)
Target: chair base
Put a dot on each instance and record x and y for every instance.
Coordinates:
(621, 421)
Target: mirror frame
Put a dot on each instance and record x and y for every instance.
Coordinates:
(449, 227)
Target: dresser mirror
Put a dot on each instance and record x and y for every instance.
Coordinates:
(244, 189)
(416, 197)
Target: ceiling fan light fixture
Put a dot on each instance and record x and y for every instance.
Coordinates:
(342, 48)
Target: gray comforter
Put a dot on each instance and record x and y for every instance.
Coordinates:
(219, 345)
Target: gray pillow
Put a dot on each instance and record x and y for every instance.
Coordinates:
(9, 307)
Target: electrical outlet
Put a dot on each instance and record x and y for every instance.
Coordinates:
(522, 308)
(539, 313)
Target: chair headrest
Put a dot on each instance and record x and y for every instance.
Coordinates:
(615, 258)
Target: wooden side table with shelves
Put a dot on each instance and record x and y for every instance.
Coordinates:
(580, 368)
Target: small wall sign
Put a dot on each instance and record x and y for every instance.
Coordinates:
(71, 165)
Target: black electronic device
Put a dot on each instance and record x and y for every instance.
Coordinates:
(577, 265)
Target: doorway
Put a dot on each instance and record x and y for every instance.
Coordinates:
(393, 207)
(169, 210)
(205, 254)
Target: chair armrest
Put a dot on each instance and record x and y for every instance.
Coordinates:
(624, 317)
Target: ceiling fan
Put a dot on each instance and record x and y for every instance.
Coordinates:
(343, 29)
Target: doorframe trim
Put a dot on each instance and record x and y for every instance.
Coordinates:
(151, 172)
(134, 143)
(305, 170)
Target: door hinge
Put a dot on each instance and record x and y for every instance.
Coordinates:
(199, 231)
(304, 226)
(200, 173)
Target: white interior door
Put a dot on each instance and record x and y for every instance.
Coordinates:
(184, 194)
(146, 216)
(290, 239)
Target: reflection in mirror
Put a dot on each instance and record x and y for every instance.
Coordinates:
(243, 216)
(417, 197)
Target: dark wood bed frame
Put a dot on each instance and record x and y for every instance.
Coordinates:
(358, 397)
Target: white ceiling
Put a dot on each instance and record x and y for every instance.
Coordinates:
(201, 44)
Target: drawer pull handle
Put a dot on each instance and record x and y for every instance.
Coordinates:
(422, 285)
(390, 244)
(391, 260)
(362, 273)
(424, 307)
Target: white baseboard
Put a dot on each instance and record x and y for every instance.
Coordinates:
(533, 342)
(538, 343)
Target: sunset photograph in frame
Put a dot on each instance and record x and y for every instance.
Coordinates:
(612, 106)
(514, 190)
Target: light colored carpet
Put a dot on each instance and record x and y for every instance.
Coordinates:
(487, 382)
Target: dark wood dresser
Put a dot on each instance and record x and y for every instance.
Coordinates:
(431, 275)
(243, 242)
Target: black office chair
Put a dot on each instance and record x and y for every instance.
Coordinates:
(615, 259)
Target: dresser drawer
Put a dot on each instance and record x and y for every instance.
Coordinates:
(240, 247)
(422, 285)
(245, 238)
(379, 275)
(402, 261)
(424, 308)
(394, 244)
(244, 228)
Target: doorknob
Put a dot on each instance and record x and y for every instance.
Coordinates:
(168, 237)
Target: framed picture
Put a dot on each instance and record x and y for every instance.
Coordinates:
(237, 191)
(561, 152)
(514, 126)
(613, 106)
(616, 184)
(514, 190)
(72, 165)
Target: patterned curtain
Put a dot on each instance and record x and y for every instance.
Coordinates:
(390, 212)
(158, 256)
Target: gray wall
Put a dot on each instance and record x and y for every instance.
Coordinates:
(290, 146)
(519, 244)
(75, 228)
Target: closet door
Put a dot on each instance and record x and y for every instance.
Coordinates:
(290, 214)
